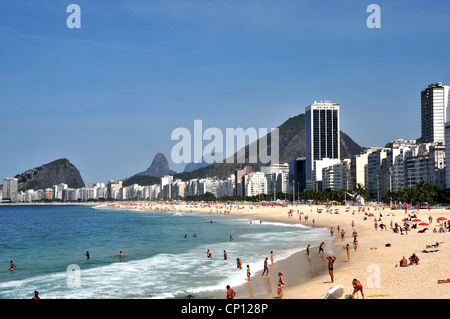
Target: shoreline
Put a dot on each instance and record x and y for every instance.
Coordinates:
(374, 263)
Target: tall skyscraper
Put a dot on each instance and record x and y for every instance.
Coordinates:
(322, 136)
(10, 189)
(435, 112)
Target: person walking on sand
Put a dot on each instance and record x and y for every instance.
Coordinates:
(331, 260)
(271, 257)
(357, 287)
(321, 249)
(307, 250)
(347, 247)
(342, 234)
(266, 268)
(230, 293)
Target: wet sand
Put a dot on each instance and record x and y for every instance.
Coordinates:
(296, 269)
(374, 263)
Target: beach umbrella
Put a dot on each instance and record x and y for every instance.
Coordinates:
(442, 218)
(334, 292)
(424, 224)
(416, 220)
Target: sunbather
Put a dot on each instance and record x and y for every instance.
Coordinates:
(414, 259)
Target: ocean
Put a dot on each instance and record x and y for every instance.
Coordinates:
(161, 257)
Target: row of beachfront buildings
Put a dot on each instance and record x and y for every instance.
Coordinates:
(401, 164)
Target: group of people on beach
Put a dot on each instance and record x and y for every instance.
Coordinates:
(231, 293)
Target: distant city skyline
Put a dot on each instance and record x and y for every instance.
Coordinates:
(108, 95)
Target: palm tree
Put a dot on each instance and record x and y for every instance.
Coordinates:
(361, 191)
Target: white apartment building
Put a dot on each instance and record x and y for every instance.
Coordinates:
(434, 112)
(277, 176)
(255, 184)
(337, 176)
(166, 186)
(316, 182)
(58, 191)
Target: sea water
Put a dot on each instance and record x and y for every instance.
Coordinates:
(162, 258)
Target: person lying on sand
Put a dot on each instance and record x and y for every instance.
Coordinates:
(434, 246)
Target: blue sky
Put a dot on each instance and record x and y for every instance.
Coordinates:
(107, 96)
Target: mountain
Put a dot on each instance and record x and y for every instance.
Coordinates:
(53, 173)
(291, 145)
(194, 166)
(158, 168)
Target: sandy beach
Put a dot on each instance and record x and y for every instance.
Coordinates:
(375, 263)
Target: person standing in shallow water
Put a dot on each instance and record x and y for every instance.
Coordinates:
(266, 268)
(321, 248)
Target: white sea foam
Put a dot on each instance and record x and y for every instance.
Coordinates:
(178, 274)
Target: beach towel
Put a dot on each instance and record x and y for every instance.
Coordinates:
(430, 250)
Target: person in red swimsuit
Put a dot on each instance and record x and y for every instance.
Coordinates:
(358, 287)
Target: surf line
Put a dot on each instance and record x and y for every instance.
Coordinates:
(193, 309)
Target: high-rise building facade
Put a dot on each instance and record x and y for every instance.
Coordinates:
(10, 189)
(297, 170)
(322, 136)
(434, 112)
